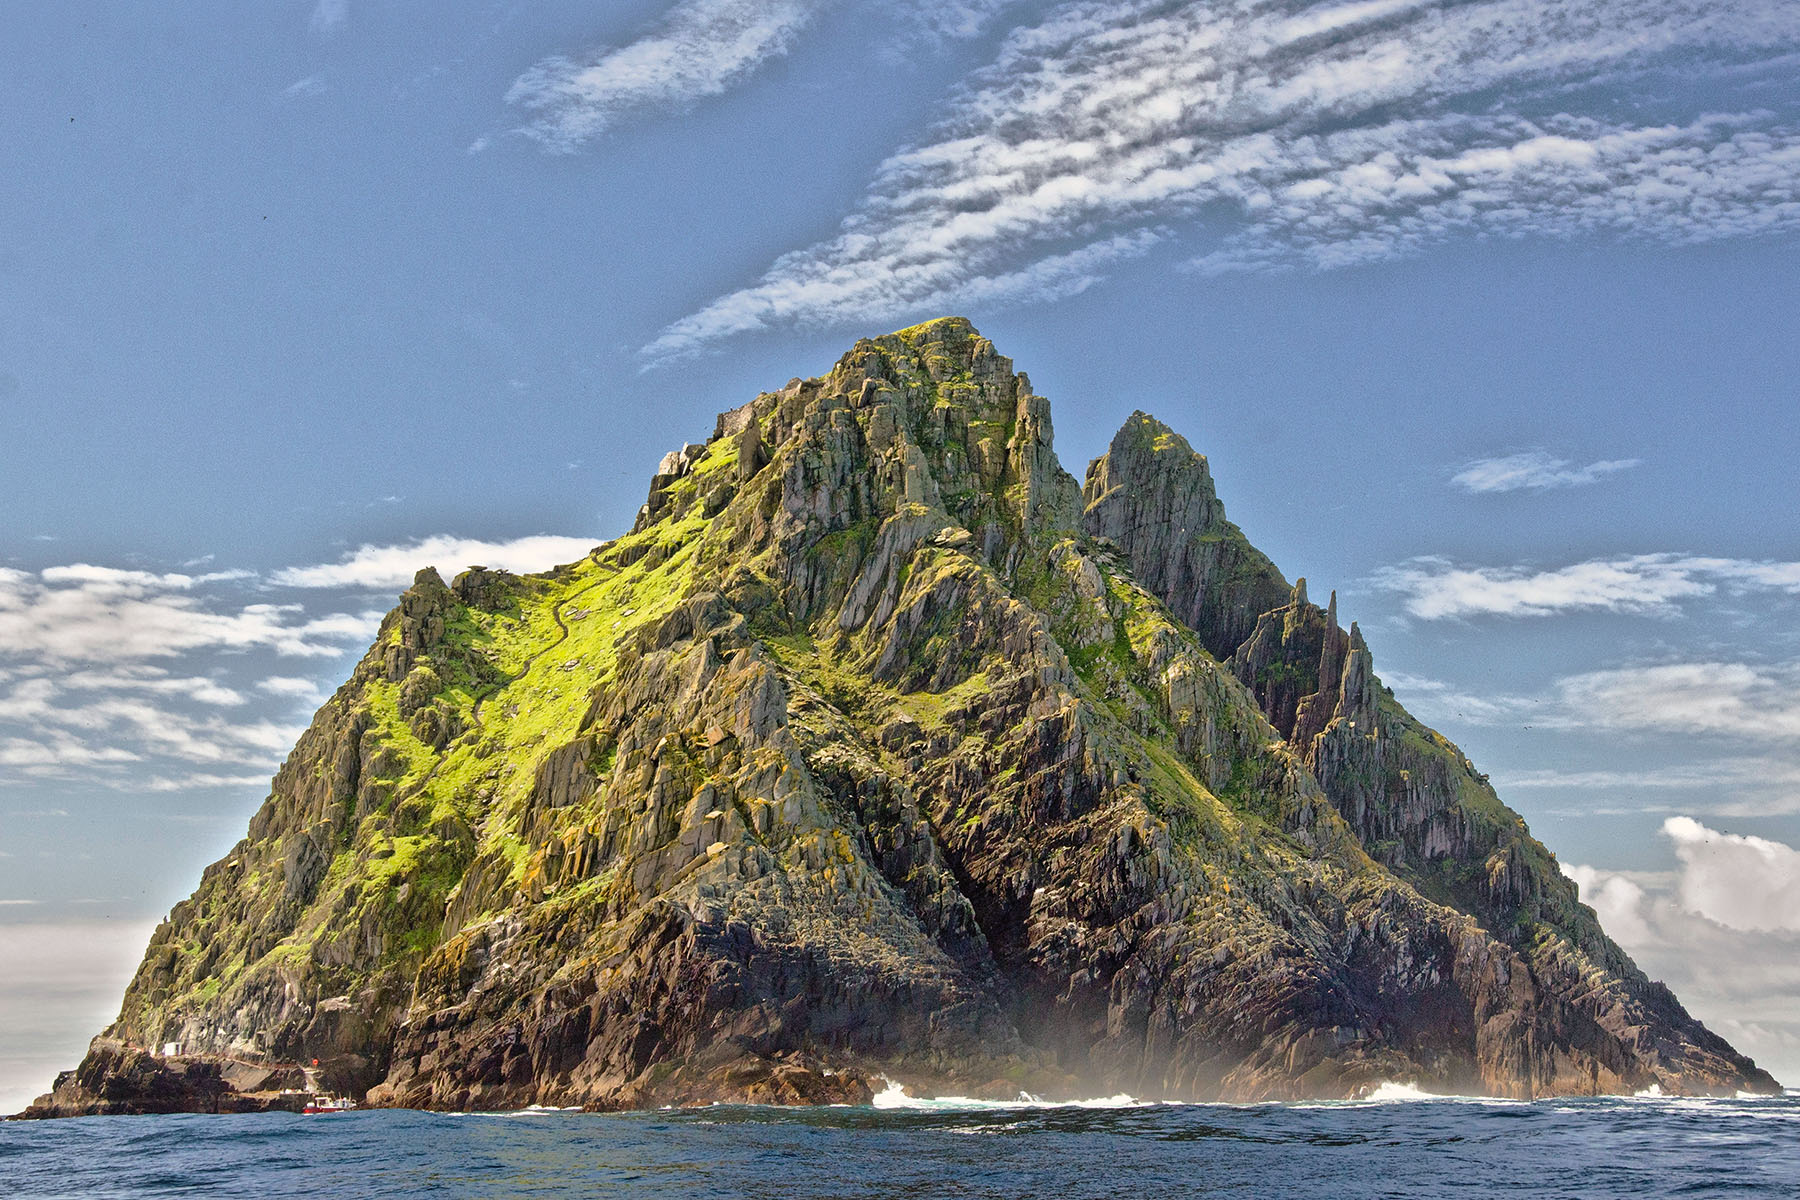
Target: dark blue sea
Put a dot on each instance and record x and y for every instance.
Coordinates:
(1410, 1147)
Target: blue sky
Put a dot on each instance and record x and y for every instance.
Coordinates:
(1484, 312)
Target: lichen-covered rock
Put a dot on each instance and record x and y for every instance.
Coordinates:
(1154, 497)
(881, 748)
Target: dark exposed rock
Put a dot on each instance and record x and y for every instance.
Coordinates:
(485, 588)
(417, 626)
(879, 748)
(119, 1080)
(753, 456)
(1154, 497)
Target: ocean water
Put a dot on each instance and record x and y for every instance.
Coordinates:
(1397, 1144)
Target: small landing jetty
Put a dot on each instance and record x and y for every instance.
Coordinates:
(320, 1102)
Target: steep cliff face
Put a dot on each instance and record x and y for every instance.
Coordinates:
(881, 747)
(1416, 804)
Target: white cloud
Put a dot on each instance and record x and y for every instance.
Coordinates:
(1729, 775)
(1618, 901)
(117, 729)
(58, 731)
(85, 613)
(288, 685)
(57, 751)
(702, 48)
(142, 680)
(120, 581)
(328, 16)
(1741, 882)
(1536, 470)
(1720, 931)
(1723, 735)
(1336, 134)
(155, 681)
(1348, 198)
(312, 85)
(379, 568)
(1728, 698)
(950, 18)
(1437, 589)
(699, 49)
(196, 780)
(1421, 694)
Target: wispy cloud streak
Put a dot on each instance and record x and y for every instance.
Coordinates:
(1534, 470)
(1732, 699)
(1435, 589)
(328, 16)
(699, 49)
(1725, 734)
(1312, 134)
(703, 48)
(88, 614)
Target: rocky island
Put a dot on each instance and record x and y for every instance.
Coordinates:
(881, 747)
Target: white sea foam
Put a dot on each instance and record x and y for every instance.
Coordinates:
(1396, 1092)
(1393, 1092)
(894, 1096)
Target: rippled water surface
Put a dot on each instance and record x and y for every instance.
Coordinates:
(1428, 1147)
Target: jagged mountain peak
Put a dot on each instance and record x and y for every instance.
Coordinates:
(1153, 496)
(879, 746)
(1145, 434)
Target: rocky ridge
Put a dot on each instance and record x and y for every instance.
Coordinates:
(881, 746)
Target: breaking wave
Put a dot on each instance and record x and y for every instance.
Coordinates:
(1392, 1092)
(894, 1096)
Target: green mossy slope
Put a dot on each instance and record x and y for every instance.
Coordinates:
(881, 746)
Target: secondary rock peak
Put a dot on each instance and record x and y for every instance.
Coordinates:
(876, 749)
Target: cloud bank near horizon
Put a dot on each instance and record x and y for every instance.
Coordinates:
(1318, 136)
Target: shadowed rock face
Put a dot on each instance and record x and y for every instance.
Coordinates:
(880, 747)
